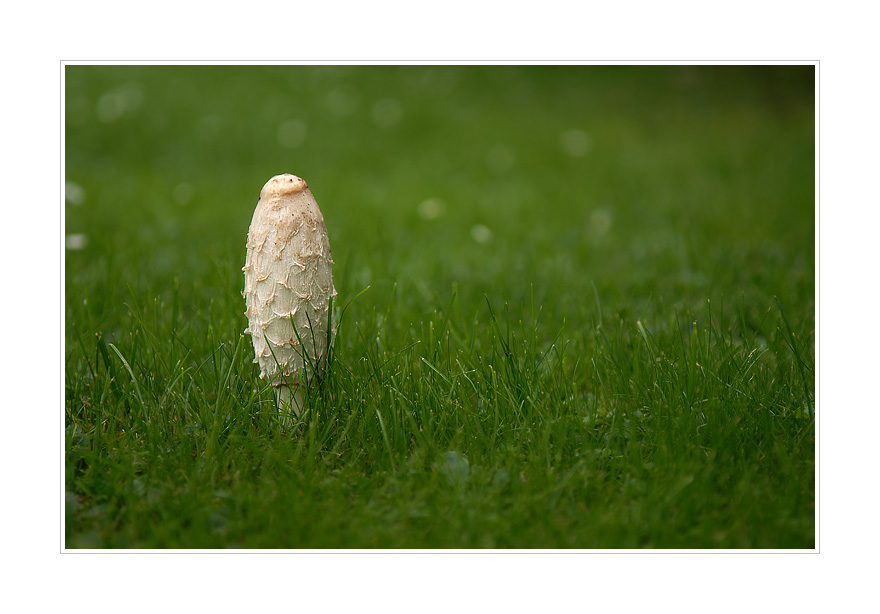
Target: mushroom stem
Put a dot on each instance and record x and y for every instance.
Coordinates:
(290, 403)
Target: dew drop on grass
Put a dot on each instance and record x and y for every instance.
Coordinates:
(600, 222)
(481, 234)
(74, 193)
(292, 133)
(501, 478)
(343, 100)
(455, 467)
(139, 488)
(431, 209)
(575, 143)
(118, 102)
(76, 242)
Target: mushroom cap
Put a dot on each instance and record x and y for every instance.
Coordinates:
(288, 281)
(279, 185)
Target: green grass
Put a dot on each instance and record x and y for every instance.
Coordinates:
(606, 350)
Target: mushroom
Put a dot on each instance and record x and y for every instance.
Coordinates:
(288, 287)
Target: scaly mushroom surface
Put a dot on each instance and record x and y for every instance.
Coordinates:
(287, 287)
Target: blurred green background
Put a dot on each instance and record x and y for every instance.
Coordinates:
(505, 180)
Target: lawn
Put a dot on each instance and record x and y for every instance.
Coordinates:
(576, 308)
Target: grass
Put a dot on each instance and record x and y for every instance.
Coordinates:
(576, 308)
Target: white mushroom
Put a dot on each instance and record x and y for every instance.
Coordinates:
(287, 288)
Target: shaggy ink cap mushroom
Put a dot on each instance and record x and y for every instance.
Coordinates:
(288, 287)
